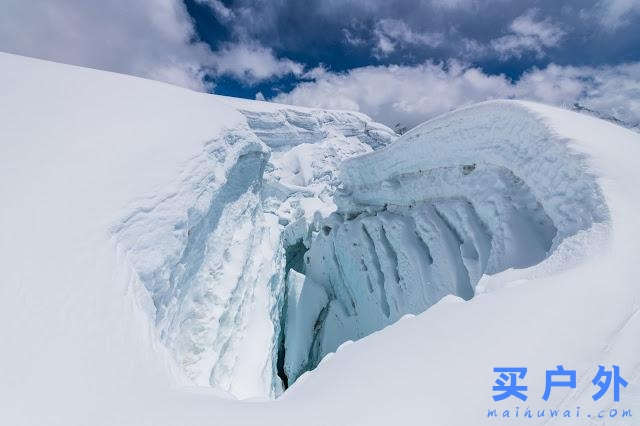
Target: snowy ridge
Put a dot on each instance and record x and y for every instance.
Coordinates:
(635, 126)
(498, 135)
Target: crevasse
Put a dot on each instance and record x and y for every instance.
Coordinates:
(310, 228)
(214, 254)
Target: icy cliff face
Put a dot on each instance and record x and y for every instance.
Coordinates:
(217, 272)
(280, 258)
(306, 229)
(474, 192)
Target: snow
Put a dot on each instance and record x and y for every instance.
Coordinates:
(160, 246)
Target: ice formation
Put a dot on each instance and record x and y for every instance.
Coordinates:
(257, 238)
(474, 192)
(217, 272)
(309, 228)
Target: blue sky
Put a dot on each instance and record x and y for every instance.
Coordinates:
(350, 34)
(398, 61)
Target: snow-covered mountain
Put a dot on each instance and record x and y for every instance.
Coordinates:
(633, 125)
(166, 251)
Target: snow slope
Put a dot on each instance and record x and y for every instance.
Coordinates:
(164, 251)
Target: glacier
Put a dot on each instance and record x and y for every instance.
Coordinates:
(216, 271)
(168, 253)
(432, 213)
(322, 231)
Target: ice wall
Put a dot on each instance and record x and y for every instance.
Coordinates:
(214, 251)
(300, 229)
(473, 192)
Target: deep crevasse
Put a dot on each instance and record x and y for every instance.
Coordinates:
(271, 268)
(215, 271)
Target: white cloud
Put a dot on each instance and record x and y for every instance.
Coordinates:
(399, 94)
(452, 4)
(251, 62)
(146, 38)
(389, 32)
(221, 11)
(411, 94)
(528, 35)
(315, 73)
(614, 14)
(352, 39)
(614, 90)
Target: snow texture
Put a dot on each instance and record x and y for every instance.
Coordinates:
(447, 203)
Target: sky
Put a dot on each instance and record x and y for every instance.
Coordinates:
(401, 62)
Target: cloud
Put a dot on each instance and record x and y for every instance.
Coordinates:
(347, 32)
(409, 95)
(399, 94)
(390, 32)
(352, 39)
(617, 13)
(156, 39)
(251, 62)
(528, 35)
(221, 11)
(613, 90)
(452, 4)
(147, 38)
